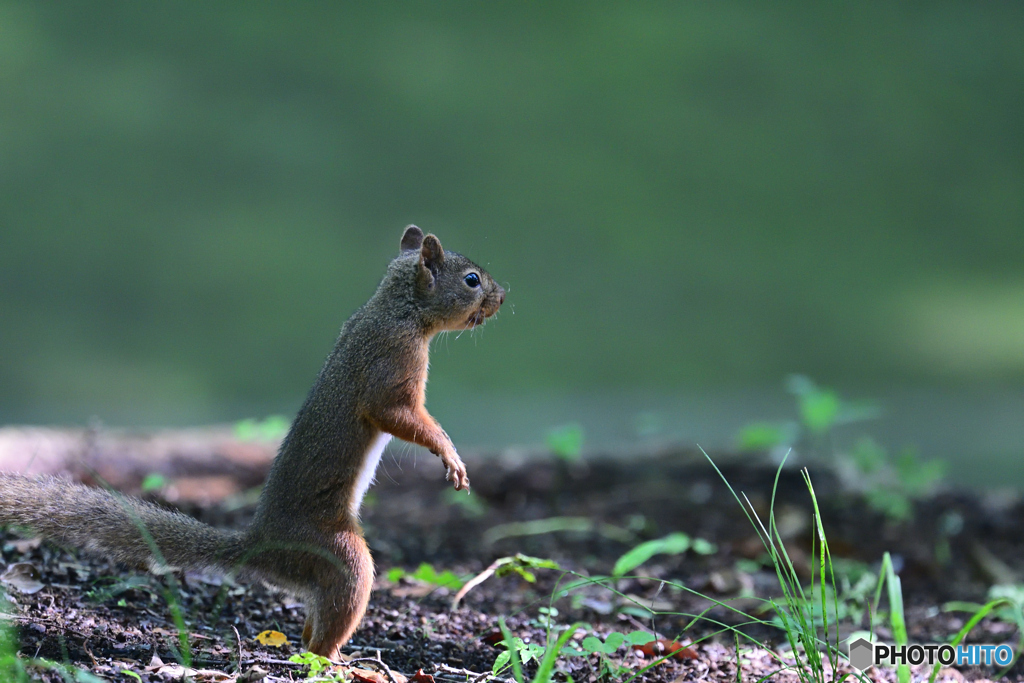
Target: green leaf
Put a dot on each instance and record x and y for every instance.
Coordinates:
(500, 661)
(425, 573)
(613, 642)
(761, 436)
(532, 651)
(518, 565)
(673, 544)
(449, 579)
(566, 441)
(639, 637)
(819, 410)
(517, 668)
(592, 644)
(546, 667)
(704, 547)
(536, 562)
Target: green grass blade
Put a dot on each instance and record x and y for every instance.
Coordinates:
(896, 617)
(547, 665)
(980, 614)
(517, 668)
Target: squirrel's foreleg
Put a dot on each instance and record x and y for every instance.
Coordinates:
(416, 425)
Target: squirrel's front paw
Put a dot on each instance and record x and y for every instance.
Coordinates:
(456, 471)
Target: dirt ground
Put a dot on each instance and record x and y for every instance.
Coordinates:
(88, 613)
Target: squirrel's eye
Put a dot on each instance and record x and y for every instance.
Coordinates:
(472, 279)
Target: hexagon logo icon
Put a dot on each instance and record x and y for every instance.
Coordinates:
(862, 654)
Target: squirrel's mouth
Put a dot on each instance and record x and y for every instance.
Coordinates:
(480, 315)
(477, 317)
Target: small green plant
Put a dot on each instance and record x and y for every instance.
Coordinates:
(819, 411)
(592, 645)
(271, 428)
(566, 441)
(673, 544)
(550, 652)
(1006, 604)
(525, 652)
(427, 574)
(795, 612)
(315, 664)
(897, 620)
(849, 598)
(892, 484)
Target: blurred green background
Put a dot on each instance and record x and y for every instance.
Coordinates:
(686, 201)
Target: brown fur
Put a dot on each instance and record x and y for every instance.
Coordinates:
(305, 536)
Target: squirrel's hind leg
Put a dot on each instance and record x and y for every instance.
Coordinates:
(307, 631)
(340, 596)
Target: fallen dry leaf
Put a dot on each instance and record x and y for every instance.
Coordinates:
(23, 577)
(272, 638)
(254, 674)
(662, 647)
(421, 677)
(367, 676)
(493, 638)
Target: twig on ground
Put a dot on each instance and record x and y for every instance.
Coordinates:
(477, 580)
(474, 676)
(376, 661)
(238, 639)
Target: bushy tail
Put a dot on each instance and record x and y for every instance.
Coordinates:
(120, 527)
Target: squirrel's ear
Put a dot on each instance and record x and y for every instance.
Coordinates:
(431, 259)
(412, 239)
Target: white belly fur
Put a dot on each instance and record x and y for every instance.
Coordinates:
(369, 469)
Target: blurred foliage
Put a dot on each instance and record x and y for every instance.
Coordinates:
(820, 411)
(890, 483)
(675, 543)
(153, 482)
(472, 506)
(193, 196)
(566, 442)
(271, 428)
(427, 574)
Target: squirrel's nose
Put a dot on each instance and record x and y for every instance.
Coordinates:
(501, 295)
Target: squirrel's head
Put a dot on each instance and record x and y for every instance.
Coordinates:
(451, 292)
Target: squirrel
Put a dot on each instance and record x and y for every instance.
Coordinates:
(305, 536)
